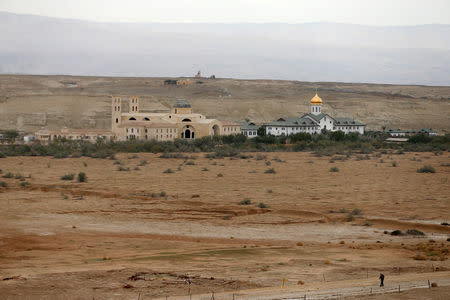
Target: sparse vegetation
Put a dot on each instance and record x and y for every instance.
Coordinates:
(190, 163)
(8, 175)
(123, 169)
(334, 169)
(69, 176)
(394, 164)
(82, 177)
(262, 205)
(24, 184)
(168, 171)
(397, 233)
(220, 175)
(3, 184)
(270, 171)
(143, 162)
(426, 169)
(246, 201)
(414, 232)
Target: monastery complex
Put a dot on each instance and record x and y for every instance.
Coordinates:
(129, 122)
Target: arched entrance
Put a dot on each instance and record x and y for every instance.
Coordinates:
(216, 129)
(188, 132)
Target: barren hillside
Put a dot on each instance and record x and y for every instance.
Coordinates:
(30, 102)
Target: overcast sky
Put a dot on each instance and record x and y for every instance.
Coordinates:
(366, 12)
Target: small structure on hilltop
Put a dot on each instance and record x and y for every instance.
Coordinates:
(314, 122)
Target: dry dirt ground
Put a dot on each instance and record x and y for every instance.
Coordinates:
(28, 103)
(147, 233)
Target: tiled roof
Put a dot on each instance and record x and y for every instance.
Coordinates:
(182, 103)
(347, 121)
(292, 122)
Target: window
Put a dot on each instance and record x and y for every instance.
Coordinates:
(117, 120)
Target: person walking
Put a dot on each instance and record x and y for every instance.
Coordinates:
(381, 279)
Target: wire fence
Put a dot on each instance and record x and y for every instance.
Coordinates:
(281, 294)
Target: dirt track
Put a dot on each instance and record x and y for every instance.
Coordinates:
(87, 239)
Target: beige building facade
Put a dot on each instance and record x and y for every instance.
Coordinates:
(180, 123)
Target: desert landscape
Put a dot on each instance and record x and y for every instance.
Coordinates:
(143, 226)
(28, 103)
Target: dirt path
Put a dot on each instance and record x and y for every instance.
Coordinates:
(335, 290)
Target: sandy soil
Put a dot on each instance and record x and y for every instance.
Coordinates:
(60, 238)
(28, 103)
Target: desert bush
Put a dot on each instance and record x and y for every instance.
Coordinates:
(136, 168)
(142, 163)
(426, 169)
(220, 175)
(334, 169)
(262, 205)
(18, 176)
(397, 232)
(82, 177)
(434, 284)
(268, 163)
(367, 224)
(168, 171)
(117, 162)
(123, 169)
(356, 212)
(24, 184)
(69, 176)
(414, 232)
(8, 175)
(270, 171)
(246, 201)
(350, 218)
(269, 191)
(419, 257)
(163, 194)
(2, 155)
(394, 164)
(260, 156)
(3, 184)
(299, 244)
(342, 210)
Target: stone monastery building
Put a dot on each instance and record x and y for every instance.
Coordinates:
(180, 123)
(313, 122)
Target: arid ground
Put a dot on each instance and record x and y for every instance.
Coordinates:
(147, 232)
(28, 103)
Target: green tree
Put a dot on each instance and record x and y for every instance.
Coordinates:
(11, 135)
(261, 131)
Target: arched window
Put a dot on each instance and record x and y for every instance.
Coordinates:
(186, 120)
(117, 120)
(132, 119)
(146, 119)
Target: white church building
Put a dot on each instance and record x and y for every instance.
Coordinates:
(313, 122)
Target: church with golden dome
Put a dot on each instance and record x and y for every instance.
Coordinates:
(314, 122)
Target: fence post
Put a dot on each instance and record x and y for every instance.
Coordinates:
(370, 290)
(429, 285)
(399, 288)
(233, 296)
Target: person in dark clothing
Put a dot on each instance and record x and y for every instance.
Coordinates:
(381, 279)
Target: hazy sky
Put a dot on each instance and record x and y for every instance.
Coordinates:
(367, 12)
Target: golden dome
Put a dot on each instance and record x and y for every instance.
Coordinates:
(316, 100)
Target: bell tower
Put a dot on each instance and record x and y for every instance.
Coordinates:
(316, 105)
(134, 104)
(116, 111)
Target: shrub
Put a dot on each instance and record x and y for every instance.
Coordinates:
(246, 201)
(419, 257)
(397, 232)
(394, 163)
(2, 155)
(260, 156)
(18, 176)
(334, 169)
(142, 163)
(414, 232)
(124, 169)
(69, 176)
(426, 169)
(3, 184)
(350, 217)
(356, 212)
(269, 191)
(24, 184)
(342, 210)
(168, 171)
(268, 163)
(163, 194)
(262, 205)
(220, 175)
(82, 177)
(8, 175)
(136, 168)
(434, 284)
(270, 171)
(117, 162)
